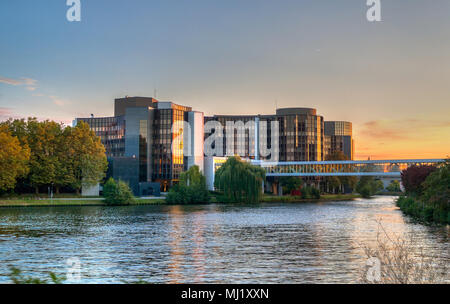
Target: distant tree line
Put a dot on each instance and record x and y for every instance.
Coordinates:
(36, 154)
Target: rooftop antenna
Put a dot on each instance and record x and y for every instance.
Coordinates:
(276, 104)
(154, 93)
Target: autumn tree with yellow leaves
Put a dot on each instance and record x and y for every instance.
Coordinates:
(54, 154)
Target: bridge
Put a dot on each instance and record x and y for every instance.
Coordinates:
(380, 168)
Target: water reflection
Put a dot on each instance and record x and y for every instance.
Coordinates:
(176, 252)
(267, 243)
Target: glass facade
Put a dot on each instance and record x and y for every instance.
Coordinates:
(243, 142)
(111, 131)
(301, 137)
(144, 131)
(301, 134)
(168, 163)
(338, 137)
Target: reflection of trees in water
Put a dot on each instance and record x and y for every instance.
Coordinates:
(42, 221)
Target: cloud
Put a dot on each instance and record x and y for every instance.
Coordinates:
(402, 138)
(382, 130)
(21, 81)
(30, 83)
(400, 129)
(58, 101)
(5, 113)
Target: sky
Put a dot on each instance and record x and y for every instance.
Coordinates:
(390, 78)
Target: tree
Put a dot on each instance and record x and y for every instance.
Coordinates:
(41, 138)
(290, 183)
(368, 186)
(193, 176)
(337, 182)
(60, 156)
(414, 176)
(85, 157)
(117, 193)
(13, 159)
(394, 186)
(333, 182)
(239, 181)
(43, 141)
(377, 186)
(190, 190)
(436, 192)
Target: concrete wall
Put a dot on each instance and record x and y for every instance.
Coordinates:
(90, 191)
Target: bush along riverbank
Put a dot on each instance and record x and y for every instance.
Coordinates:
(427, 193)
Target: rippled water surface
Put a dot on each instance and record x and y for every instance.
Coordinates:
(265, 243)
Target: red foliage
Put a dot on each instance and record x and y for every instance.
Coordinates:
(296, 192)
(414, 176)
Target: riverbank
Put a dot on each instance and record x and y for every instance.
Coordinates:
(299, 199)
(151, 236)
(71, 203)
(98, 201)
(421, 212)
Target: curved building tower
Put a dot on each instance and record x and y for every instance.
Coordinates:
(301, 134)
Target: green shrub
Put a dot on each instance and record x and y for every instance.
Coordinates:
(422, 211)
(376, 185)
(190, 190)
(368, 186)
(394, 186)
(365, 191)
(309, 192)
(117, 193)
(17, 277)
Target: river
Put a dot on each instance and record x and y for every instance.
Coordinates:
(262, 243)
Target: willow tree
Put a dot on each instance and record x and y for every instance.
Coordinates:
(239, 181)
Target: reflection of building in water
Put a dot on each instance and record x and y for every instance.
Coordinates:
(176, 219)
(187, 246)
(198, 252)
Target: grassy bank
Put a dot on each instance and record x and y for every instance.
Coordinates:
(33, 202)
(423, 212)
(73, 203)
(299, 199)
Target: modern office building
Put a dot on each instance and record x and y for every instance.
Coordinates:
(300, 134)
(149, 143)
(141, 130)
(339, 137)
